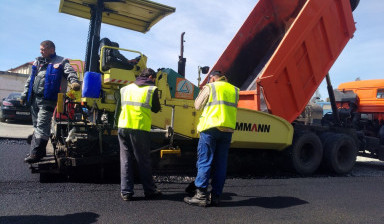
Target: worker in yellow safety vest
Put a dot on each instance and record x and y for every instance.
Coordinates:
(137, 101)
(216, 125)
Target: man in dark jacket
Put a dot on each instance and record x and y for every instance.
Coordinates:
(40, 92)
(137, 101)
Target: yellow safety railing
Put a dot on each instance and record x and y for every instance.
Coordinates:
(116, 48)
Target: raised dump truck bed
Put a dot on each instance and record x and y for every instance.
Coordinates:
(284, 50)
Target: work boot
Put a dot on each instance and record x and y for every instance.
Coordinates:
(29, 138)
(32, 159)
(199, 199)
(213, 200)
(127, 197)
(153, 195)
(191, 189)
(38, 150)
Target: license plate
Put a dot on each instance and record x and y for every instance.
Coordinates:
(22, 113)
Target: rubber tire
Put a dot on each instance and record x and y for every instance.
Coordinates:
(354, 4)
(306, 153)
(340, 152)
(2, 119)
(324, 137)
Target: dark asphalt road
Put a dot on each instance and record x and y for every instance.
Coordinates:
(356, 198)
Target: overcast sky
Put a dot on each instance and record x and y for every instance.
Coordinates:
(209, 25)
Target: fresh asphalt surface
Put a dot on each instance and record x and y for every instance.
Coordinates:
(355, 198)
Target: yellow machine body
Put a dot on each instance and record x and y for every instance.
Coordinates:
(254, 129)
(137, 15)
(259, 130)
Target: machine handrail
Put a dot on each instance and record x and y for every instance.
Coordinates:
(116, 48)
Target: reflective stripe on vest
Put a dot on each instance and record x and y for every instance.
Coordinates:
(221, 108)
(136, 103)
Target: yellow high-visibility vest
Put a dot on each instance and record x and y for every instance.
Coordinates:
(221, 107)
(136, 103)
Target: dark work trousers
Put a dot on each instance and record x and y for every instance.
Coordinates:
(135, 144)
(42, 112)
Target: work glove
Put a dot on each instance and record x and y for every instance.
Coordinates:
(75, 86)
(73, 94)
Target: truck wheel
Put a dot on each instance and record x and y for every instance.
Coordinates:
(354, 4)
(324, 137)
(340, 153)
(306, 153)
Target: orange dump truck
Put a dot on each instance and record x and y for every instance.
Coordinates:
(361, 107)
(369, 96)
(278, 58)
